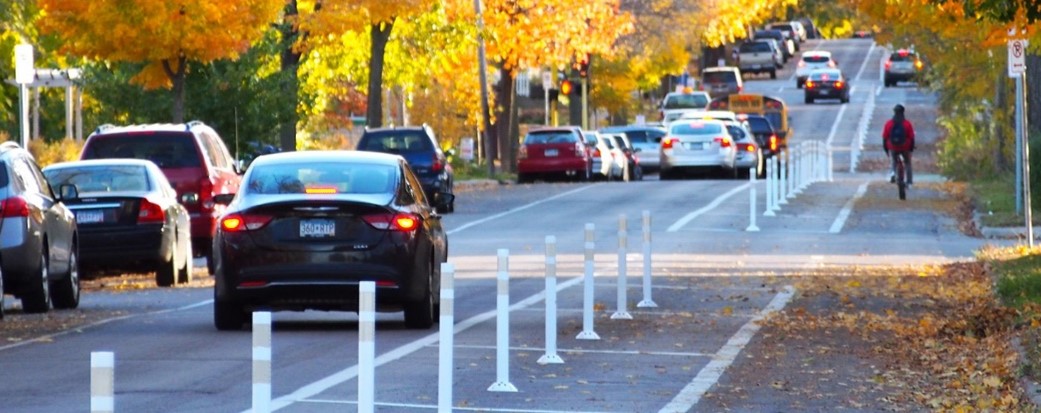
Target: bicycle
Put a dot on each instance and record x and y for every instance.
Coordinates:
(901, 178)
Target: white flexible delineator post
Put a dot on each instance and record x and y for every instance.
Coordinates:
(647, 301)
(770, 189)
(446, 340)
(261, 362)
(783, 173)
(502, 327)
(587, 332)
(102, 382)
(752, 213)
(622, 312)
(367, 347)
(551, 356)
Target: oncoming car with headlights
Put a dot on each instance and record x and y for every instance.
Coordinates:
(306, 228)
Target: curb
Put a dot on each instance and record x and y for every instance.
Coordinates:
(474, 184)
(1002, 232)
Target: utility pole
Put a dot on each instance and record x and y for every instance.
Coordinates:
(485, 112)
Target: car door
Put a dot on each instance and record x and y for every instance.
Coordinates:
(59, 223)
(432, 228)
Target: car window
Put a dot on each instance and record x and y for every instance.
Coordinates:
(685, 101)
(695, 128)
(413, 188)
(737, 132)
(607, 141)
(830, 75)
(760, 125)
(25, 175)
(396, 142)
(816, 59)
(902, 57)
(755, 47)
(637, 136)
(166, 149)
(550, 137)
(655, 136)
(213, 150)
(321, 178)
(718, 77)
(100, 178)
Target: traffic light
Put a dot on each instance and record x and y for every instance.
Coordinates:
(583, 66)
(566, 88)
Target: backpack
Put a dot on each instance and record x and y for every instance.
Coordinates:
(897, 134)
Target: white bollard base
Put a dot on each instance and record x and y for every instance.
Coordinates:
(752, 228)
(647, 304)
(502, 386)
(550, 359)
(587, 335)
(769, 213)
(621, 315)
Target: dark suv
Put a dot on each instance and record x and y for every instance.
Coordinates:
(419, 146)
(38, 237)
(193, 158)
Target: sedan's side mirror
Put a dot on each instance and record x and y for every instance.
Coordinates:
(68, 192)
(223, 199)
(442, 200)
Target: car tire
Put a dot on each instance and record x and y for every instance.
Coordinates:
(184, 273)
(1, 297)
(808, 100)
(166, 272)
(228, 315)
(65, 293)
(209, 258)
(419, 315)
(773, 74)
(37, 299)
(523, 178)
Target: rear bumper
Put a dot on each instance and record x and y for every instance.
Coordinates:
(553, 165)
(114, 248)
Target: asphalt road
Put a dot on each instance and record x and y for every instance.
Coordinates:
(712, 279)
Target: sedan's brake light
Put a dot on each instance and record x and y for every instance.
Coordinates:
(392, 222)
(206, 193)
(248, 222)
(918, 64)
(149, 213)
(597, 153)
(750, 148)
(809, 84)
(14, 206)
(838, 85)
(723, 142)
(889, 64)
(667, 142)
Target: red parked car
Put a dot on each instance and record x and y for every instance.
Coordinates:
(549, 152)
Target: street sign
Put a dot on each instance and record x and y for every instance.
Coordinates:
(547, 80)
(1017, 62)
(523, 85)
(24, 72)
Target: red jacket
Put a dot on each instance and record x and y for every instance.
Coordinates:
(908, 143)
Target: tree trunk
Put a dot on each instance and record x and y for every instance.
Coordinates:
(177, 78)
(290, 65)
(512, 142)
(503, 112)
(380, 33)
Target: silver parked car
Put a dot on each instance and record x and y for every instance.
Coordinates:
(646, 139)
(697, 145)
(602, 148)
(748, 154)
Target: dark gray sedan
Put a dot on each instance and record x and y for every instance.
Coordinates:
(826, 84)
(128, 217)
(306, 228)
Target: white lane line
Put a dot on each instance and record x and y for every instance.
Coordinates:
(864, 64)
(690, 217)
(835, 124)
(342, 376)
(50, 337)
(710, 374)
(840, 221)
(517, 209)
(415, 406)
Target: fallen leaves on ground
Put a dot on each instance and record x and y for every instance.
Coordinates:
(945, 339)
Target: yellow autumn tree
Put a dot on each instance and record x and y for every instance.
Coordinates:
(166, 36)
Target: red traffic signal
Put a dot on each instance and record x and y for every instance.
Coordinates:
(566, 87)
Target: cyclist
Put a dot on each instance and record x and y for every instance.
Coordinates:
(898, 140)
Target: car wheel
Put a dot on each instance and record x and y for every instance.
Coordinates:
(639, 173)
(166, 273)
(798, 84)
(38, 298)
(419, 315)
(65, 293)
(1, 297)
(184, 274)
(808, 100)
(228, 315)
(523, 178)
(773, 74)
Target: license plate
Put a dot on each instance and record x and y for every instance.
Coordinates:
(317, 228)
(694, 146)
(90, 217)
(552, 152)
(825, 92)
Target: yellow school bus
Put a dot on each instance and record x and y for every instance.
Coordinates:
(771, 107)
